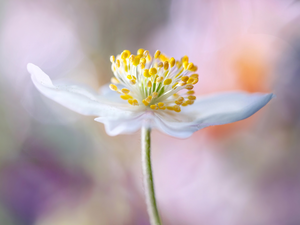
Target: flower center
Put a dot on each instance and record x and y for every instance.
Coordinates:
(158, 82)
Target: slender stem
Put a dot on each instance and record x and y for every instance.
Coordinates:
(148, 178)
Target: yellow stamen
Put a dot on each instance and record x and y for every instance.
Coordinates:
(184, 78)
(113, 87)
(159, 79)
(153, 71)
(157, 53)
(146, 73)
(192, 97)
(112, 59)
(167, 81)
(125, 90)
(189, 86)
(154, 107)
(190, 80)
(149, 84)
(129, 77)
(140, 51)
(172, 62)
(145, 102)
(160, 104)
(154, 94)
(176, 108)
(166, 65)
(132, 82)
(190, 92)
(126, 97)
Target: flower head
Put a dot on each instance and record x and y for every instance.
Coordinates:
(156, 83)
(151, 91)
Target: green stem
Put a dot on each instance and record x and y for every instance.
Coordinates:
(148, 178)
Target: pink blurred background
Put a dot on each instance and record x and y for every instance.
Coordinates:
(57, 167)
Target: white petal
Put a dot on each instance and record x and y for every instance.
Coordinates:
(125, 125)
(79, 99)
(212, 110)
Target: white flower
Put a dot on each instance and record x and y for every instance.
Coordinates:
(151, 91)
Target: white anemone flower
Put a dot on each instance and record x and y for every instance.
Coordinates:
(151, 91)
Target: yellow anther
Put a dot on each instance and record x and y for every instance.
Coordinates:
(181, 83)
(114, 80)
(154, 94)
(178, 64)
(129, 77)
(154, 107)
(189, 102)
(170, 107)
(185, 59)
(140, 51)
(195, 81)
(167, 81)
(133, 77)
(146, 53)
(160, 104)
(159, 79)
(163, 57)
(145, 102)
(166, 65)
(163, 108)
(135, 102)
(189, 86)
(192, 97)
(160, 65)
(113, 87)
(174, 85)
(142, 65)
(124, 55)
(194, 69)
(112, 59)
(146, 73)
(176, 95)
(184, 78)
(181, 99)
(190, 66)
(176, 108)
(118, 63)
(128, 52)
(195, 75)
(131, 58)
(190, 92)
(148, 57)
(130, 101)
(172, 62)
(190, 80)
(125, 97)
(184, 104)
(185, 65)
(136, 61)
(153, 71)
(143, 60)
(148, 99)
(149, 84)
(178, 102)
(132, 82)
(125, 90)
(157, 53)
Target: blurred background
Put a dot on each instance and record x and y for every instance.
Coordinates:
(58, 167)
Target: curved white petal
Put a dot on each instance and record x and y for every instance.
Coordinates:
(125, 125)
(212, 110)
(77, 98)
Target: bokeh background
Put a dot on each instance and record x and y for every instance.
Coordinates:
(57, 167)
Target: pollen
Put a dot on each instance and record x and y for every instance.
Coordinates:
(167, 81)
(155, 82)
